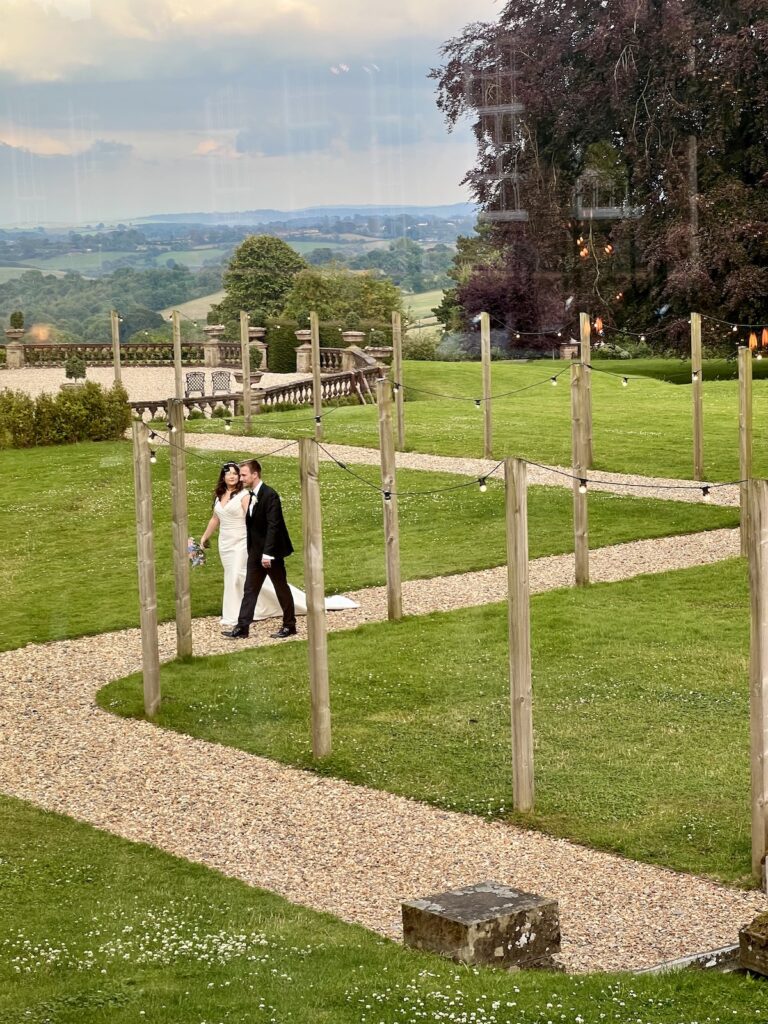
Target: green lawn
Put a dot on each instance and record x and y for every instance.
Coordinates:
(640, 712)
(68, 549)
(643, 428)
(97, 930)
(195, 309)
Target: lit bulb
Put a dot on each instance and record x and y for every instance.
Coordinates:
(227, 424)
(759, 355)
(559, 334)
(735, 328)
(152, 456)
(582, 486)
(642, 337)
(483, 485)
(625, 382)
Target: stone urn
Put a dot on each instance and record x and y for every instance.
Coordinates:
(14, 334)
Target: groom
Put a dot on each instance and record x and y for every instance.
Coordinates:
(268, 547)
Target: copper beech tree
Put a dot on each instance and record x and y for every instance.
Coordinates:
(663, 104)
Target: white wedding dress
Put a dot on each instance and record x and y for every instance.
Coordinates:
(233, 551)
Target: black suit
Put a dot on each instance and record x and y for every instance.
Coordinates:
(267, 535)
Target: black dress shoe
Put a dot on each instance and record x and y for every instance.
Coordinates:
(283, 632)
(237, 633)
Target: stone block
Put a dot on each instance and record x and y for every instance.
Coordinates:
(486, 923)
(753, 945)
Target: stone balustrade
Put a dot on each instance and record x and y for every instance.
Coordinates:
(215, 352)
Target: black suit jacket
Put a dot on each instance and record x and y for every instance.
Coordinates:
(267, 532)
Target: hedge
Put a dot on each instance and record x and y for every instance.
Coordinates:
(281, 339)
(87, 412)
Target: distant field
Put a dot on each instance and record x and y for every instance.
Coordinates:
(85, 262)
(196, 309)
(11, 273)
(419, 306)
(192, 257)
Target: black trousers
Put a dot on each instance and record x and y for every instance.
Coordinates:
(254, 580)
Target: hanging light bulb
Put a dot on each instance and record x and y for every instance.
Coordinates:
(582, 486)
(318, 419)
(477, 403)
(705, 493)
(152, 435)
(227, 424)
(642, 337)
(735, 328)
(517, 335)
(695, 376)
(553, 380)
(152, 456)
(483, 485)
(171, 428)
(625, 382)
(387, 495)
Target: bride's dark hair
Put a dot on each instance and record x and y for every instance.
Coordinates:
(221, 488)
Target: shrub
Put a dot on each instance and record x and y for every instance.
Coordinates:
(89, 413)
(17, 320)
(17, 420)
(196, 414)
(74, 367)
(220, 412)
(420, 347)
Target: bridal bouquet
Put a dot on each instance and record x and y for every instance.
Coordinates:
(195, 553)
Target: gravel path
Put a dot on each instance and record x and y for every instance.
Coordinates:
(351, 851)
(548, 476)
(141, 382)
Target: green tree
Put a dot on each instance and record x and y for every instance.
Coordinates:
(259, 277)
(340, 295)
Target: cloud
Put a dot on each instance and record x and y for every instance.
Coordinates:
(107, 149)
(60, 40)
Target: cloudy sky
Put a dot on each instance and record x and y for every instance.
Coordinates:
(112, 109)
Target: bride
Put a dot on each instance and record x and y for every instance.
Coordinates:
(230, 504)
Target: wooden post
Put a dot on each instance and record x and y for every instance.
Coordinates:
(317, 640)
(745, 440)
(758, 668)
(519, 617)
(115, 324)
(180, 526)
(178, 378)
(578, 461)
(317, 384)
(245, 362)
(397, 371)
(585, 327)
(696, 391)
(388, 483)
(145, 549)
(485, 355)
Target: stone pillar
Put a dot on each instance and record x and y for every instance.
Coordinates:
(256, 340)
(15, 358)
(211, 352)
(303, 352)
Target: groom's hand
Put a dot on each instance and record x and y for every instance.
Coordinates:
(266, 561)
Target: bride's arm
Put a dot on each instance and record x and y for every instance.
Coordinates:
(209, 530)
